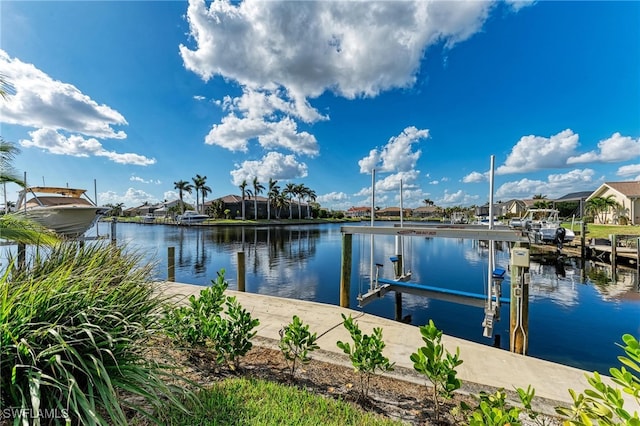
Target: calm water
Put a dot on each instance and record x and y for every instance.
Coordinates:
(572, 320)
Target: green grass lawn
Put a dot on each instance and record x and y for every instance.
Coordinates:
(603, 231)
(241, 401)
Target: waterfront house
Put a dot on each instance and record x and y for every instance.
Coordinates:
(627, 195)
(359, 212)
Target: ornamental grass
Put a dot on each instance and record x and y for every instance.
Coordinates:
(74, 325)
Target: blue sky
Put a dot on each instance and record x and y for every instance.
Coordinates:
(139, 95)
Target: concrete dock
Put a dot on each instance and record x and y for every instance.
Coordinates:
(483, 365)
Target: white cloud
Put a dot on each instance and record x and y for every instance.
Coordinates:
(351, 48)
(397, 154)
(282, 54)
(533, 153)
(272, 166)
(234, 134)
(131, 198)
(519, 4)
(40, 101)
(332, 197)
(141, 180)
(629, 170)
(555, 186)
(77, 146)
(614, 149)
(475, 177)
(456, 198)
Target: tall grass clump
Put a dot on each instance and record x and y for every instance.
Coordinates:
(74, 323)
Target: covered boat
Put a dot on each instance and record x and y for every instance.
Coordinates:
(66, 211)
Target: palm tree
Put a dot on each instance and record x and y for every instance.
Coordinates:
(182, 186)
(205, 190)
(542, 202)
(243, 191)
(272, 194)
(311, 196)
(600, 207)
(257, 189)
(8, 151)
(427, 202)
(281, 201)
(198, 181)
(289, 192)
(300, 191)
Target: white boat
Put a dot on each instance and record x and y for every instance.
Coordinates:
(148, 218)
(66, 211)
(190, 217)
(545, 226)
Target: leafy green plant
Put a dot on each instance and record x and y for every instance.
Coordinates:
(365, 354)
(603, 402)
(74, 327)
(493, 410)
(438, 365)
(201, 324)
(233, 333)
(194, 324)
(296, 342)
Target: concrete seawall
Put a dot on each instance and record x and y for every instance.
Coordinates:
(483, 365)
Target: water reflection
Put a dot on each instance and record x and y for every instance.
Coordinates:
(578, 310)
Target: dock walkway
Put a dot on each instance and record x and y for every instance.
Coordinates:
(483, 365)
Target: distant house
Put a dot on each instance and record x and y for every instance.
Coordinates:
(627, 194)
(233, 203)
(358, 212)
(425, 211)
(393, 212)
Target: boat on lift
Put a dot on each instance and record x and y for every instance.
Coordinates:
(66, 211)
(545, 226)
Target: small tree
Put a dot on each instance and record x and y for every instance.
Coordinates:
(435, 362)
(296, 342)
(365, 354)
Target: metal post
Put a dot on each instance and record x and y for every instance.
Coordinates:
(519, 304)
(171, 264)
(241, 271)
(345, 272)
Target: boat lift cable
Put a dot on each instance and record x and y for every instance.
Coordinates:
(519, 323)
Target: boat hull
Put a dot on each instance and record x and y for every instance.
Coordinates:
(67, 221)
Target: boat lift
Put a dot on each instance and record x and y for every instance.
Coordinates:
(491, 302)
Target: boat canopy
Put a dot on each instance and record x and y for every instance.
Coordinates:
(67, 192)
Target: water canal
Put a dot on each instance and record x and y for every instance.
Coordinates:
(578, 310)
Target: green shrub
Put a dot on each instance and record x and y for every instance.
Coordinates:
(296, 342)
(201, 324)
(493, 410)
(438, 365)
(233, 333)
(604, 403)
(74, 324)
(365, 354)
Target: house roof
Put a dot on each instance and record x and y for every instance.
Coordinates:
(575, 196)
(630, 189)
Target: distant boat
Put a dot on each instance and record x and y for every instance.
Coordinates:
(190, 217)
(65, 211)
(148, 218)
(545, 225)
